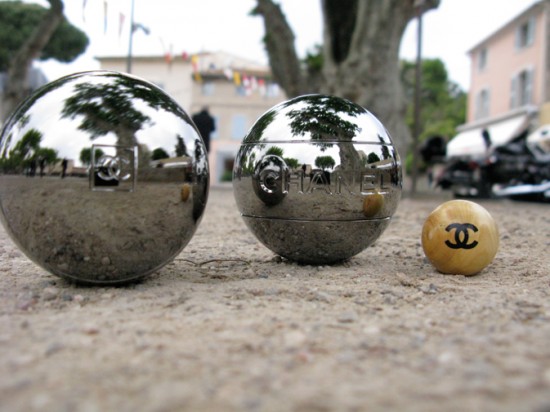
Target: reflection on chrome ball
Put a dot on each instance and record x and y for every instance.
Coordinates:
(103, 177)
(317, 179)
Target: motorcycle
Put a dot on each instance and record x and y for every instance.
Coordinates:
(519, 169)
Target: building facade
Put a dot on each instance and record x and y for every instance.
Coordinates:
(510, 82)
(236, 92)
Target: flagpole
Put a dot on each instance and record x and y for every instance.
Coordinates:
(129, 58)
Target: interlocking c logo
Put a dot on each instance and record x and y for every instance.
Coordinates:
(461, 236)
(110, 167)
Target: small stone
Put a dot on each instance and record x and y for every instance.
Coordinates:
(294, 339)
(50, 293)
(348, 317)
(322, 297)
(54, 348)
(90, 329)
(105, 261)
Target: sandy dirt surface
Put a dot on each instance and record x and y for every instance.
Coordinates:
(228, 326)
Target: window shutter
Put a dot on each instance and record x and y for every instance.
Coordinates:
(530, 31)
(513, 92)
(529, 79)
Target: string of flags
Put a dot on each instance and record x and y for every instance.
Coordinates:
(245, 82)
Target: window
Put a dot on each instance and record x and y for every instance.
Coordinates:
(482, 104)
(207, 89)
(238, 126)
(240, 90)
(215, 134)
(525, 34)
(482, 59)
(521, 93)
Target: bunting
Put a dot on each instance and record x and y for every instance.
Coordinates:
(195, 65)
(84, 10)
(237, 78)
(121, 19)
(105, 7)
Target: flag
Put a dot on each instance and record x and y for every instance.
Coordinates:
(83, 10)
(195, 65)
(261, 87)
(121, 18)
(168, 56)
(228, 73)
(105, 16)
(247, 85)
(237, 78)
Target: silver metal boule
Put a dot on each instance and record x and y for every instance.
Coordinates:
(317, 179)
(103, 177)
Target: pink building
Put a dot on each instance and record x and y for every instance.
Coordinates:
(510, 82)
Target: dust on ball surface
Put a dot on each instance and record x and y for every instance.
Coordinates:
(461, 261)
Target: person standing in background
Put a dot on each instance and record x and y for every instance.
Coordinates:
(206, 125)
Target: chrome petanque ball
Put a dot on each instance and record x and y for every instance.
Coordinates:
(317, 179)
(103, 177)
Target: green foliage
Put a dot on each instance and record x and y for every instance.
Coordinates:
(325, 162)
(17, 20)
(373, 158)
(292, 162)
(314, 59)
(443, 103)
(181, 150)
(86, 155)
(27, 151)
(227, 176)
(49, 155)
(159, 153)
(275, 150)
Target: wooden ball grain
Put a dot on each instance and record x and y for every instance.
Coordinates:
(460, 237)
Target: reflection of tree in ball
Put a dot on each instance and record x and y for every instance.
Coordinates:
(131, 196)
(460, 237)
(317, 179)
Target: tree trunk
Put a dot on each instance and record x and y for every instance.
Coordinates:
(20, 64)
(360, 56)
(279, 43)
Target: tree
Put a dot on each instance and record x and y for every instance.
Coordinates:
(86, 155)
(159, 153)
(29, 32)
(360, 56)
(443, 102)
(325, 162)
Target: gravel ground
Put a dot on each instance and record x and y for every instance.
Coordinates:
(228, 326)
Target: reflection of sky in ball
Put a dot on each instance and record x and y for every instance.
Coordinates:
(62, 134)
(371, 136)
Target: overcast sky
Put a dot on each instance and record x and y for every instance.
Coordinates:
(211, 25)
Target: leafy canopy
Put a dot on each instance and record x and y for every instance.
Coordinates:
(18, 20)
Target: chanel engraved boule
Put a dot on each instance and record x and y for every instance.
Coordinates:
(460, 237)
(103, 177)
(317, 179)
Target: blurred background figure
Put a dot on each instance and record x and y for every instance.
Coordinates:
(206, 125)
